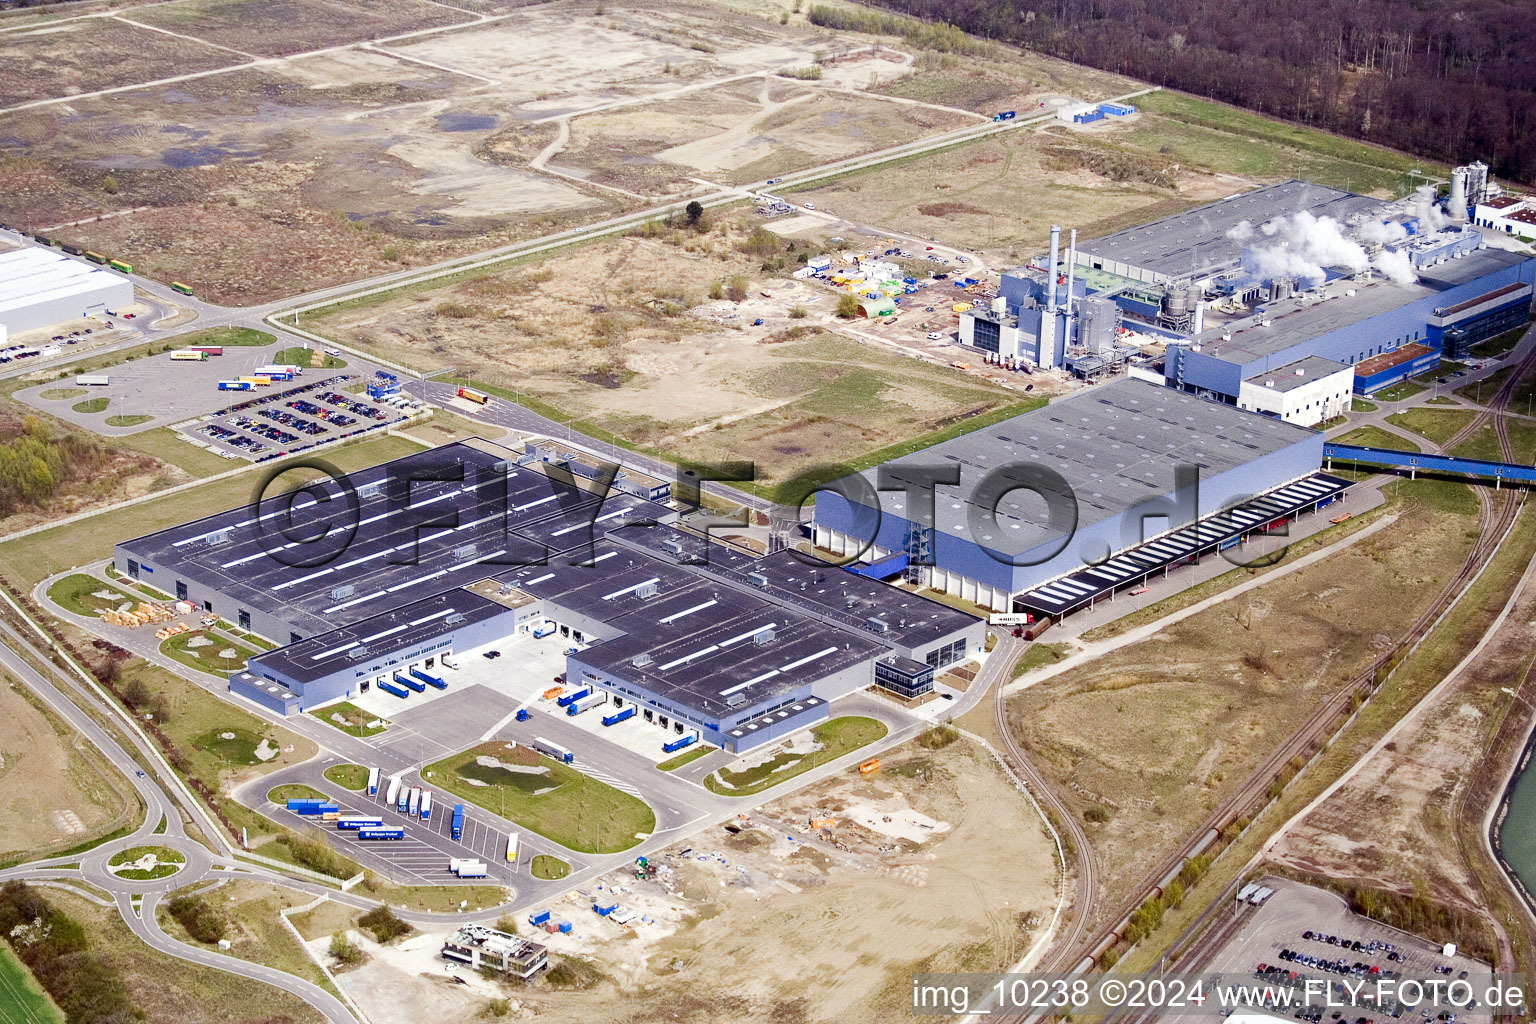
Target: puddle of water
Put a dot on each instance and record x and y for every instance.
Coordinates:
(465, 122)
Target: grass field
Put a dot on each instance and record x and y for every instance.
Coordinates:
(77, 593)
(280, 795)
(836, 737)
(1437, 425)
(29, 559)
(350, 719)
(229, 337)
(1375, 437)
(131, 420)
(22, 1000)
(1038, 656)
(348, 776)
(1398, 392)
(168, 862)
(207, 658)
(547, 867)
(672, 764)
(256, 933)
(1498, 345)
(91, 405)
(1484, 443)
(559, 803)
(298, 355)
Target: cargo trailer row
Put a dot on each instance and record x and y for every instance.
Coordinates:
(430, 680)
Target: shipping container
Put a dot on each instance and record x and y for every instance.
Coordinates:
(94, 257)
(538, 917)
(553, 750)
(456, 831)
(300, 802)
(478, 397)
(236, 385)
(392, 793)
(373, 781)
(93, 380)
(177, 286)
(120, 266)
(389, 687)
(678, 744)
(356, 821)
(426, 805)
(381, 833)
(604, 909)
(619, 716)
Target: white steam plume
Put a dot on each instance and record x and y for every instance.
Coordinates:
(1302, 245)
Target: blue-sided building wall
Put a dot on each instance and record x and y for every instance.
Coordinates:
(347, 682)
(964, 557)
(1371, 383)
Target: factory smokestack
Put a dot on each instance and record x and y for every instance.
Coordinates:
(1071, 267)
(1050, 295)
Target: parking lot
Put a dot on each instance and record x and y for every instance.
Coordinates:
(418, 859)
(287, 417)
(1321, 938)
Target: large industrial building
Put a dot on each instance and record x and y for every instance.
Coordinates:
(40, 288)
(1130, 510)
(1276, 300)
(486, 545)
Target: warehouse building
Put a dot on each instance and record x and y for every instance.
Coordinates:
(1119, 505)
(40, 288)
(702, 638)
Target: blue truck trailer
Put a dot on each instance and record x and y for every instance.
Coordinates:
(429, 679)
(303, 802)
(358, 821)
(381, 833)
(677, 744)
(414, 684)
(457, 830)
(389, 687)
(619, 716)
(573, 697)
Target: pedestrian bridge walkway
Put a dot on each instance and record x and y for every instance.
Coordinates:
(1342, 456)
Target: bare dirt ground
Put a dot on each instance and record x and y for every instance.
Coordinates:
(62, 796)
(276, 28)
(1393, 824)
(622, 335)
(95, 53)
(795, 925)
(1200, 703)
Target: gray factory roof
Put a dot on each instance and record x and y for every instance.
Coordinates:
(811, 585)
(690, 640)
(379, 635)
(1302, 318)
(1294, 375)
(381, 552)
(1195, 242)
(1115, 445)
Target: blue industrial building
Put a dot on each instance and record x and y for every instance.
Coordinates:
(1116, 450)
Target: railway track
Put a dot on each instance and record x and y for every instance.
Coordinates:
(1071, 952)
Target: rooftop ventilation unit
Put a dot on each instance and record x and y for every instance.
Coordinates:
(877, 625)
(735, 700)
(215, 539)
(358, 653)
(453, 618)
(640, 660)
(370, 490)
(504, 589)
(345, 590)
(763, 637)
(673, 545)
(464, 551)
(645, 591)
(757, 579)
(501, 466)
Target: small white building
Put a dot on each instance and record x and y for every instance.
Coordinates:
(1307, 392)
(41, 287)
(819, 262)
(1507, 214)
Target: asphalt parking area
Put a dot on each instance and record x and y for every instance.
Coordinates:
(287, 417)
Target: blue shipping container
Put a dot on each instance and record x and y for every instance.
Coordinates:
(619, 716)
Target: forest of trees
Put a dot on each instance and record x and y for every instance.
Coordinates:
(1448, 81)
(37, 461)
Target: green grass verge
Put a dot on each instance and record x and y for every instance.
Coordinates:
(686, 757)
(1038, 656)
(22, 999)
(207, 658)
(561, 804)
(60, 394)
(280, 795)
(546, 867)
(1403, 389)
(350, 719)
(91, 405)
(348, 776)
(1499, 344)
(1438, 425)
(1375, 437)
(76, 593)
(235, 337)
(836, 738)
(300, 356)
(1361, 405)
(163, 853)
(128, 421)
(160, 828)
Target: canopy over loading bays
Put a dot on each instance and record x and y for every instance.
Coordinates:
(1212, 533)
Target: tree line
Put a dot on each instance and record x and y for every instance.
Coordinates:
(36, 461)
(1450, 82)
(56, 949)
